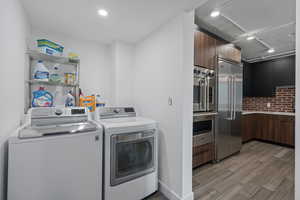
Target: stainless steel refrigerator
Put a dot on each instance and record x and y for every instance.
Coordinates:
(229, 96)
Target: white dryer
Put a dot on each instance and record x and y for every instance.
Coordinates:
(130, 154)
(56, 155)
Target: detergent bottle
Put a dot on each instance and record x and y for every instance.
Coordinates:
(70, 100)
(40, 72)
(42, 98)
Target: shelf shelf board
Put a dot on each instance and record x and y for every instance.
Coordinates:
(57, 59)
(37, 82)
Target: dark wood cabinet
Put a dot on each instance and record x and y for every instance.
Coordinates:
(272, 128)
(248, 127)
(264, 127)
(203, 154)
(262, 78)
(205, 50)
(228, 51)
(285, 130)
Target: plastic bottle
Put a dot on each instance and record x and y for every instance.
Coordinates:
(70, 100)
(54, 75)
(99, 101)
(59, 97)
(42, 98)
(40, 72)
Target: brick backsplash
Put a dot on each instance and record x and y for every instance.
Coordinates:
(282, 102)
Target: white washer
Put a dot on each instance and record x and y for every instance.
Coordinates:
(130, 154)
(56, 155)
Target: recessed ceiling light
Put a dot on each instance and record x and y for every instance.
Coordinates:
(271, 50)
(250, 37)
(102, 12)
(215, 13)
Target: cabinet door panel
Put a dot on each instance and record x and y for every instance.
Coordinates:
(203, 154)
(198, 49)
(228, 51)
(248, 127)
(287, 135)
(262, 84)
(259, 133)
(236, 55)
(211, 52)
(221, 49)
(205, 50)
(271, 128)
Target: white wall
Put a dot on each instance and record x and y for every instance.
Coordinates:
(123, 61)
(96, 74)
(13, 36)
(163, 72)
(297, 145)
(187, 105)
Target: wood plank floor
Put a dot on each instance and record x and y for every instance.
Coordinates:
(261, 171)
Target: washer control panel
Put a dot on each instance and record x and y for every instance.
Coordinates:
(57, 112)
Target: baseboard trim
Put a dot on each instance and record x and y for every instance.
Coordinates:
(189, 196)
(171, 195)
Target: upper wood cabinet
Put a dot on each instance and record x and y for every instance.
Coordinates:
(228, 51)
(205, 50)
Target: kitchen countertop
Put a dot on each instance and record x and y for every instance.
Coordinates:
(268, 113)
(204, 114)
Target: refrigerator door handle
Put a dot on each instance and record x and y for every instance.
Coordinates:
(206, 95)
(199, 96)
(229, 96)
(213, 95)
(234, 97)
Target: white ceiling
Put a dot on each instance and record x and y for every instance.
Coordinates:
(272, 22)
(128, 21)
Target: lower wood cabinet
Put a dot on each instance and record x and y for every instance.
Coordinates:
(248, 127)
(203, 154)
(273, 128)
(285, 130)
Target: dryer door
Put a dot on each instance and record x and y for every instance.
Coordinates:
(132, 156)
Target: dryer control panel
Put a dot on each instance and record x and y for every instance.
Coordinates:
(116, 112)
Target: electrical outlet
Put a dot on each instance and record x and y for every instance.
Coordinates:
(268, 105)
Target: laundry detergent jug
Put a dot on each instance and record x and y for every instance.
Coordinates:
(42, 98)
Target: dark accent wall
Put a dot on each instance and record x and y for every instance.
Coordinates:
(262, 78)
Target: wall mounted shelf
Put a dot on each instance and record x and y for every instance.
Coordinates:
(64, 64)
